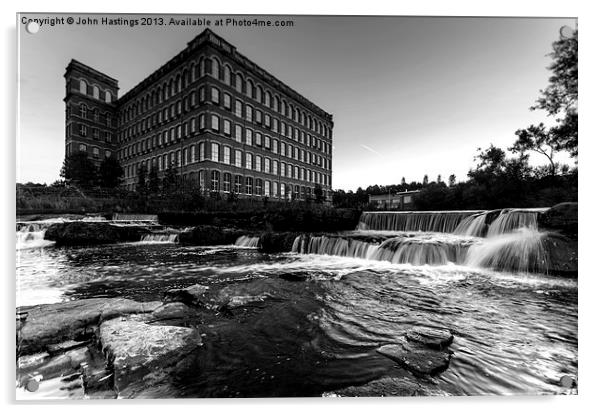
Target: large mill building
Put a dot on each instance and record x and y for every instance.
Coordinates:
(219, 119)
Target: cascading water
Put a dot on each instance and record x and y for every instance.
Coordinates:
(440, 221)
(432, 250)
(247, 242)
(518, 251)
(159, 238)
(31, 234)
(505, 240)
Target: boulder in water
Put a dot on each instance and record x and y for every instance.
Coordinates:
(171, 311)
(144, 356)
(562, 218)
(293, 276)
(388, 387)
(48, 324)
(210, 235)
(193, 295)
(273, 242)
(416, 358)
(430, 337)
(92, 233)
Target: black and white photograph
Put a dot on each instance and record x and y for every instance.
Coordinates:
(276, 206)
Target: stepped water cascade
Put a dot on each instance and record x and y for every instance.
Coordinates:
(159, 238)
(247, 242)
(506, 240)
(439, 221)
(31, 234)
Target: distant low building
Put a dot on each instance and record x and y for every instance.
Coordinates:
(401, 200)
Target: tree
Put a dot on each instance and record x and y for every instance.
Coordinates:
(452, 180)
(558, 99)
(425, 180)
(153, 180)
(403, 180)
(318, 194)
(141, 184)
(110, 173)
(537, 139)
(79, 170)
(170, 180)
(439, 179)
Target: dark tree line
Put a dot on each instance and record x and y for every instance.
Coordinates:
(79, 170)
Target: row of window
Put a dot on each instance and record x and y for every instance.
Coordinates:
(94, 91)
(84, 148)
(224, 73)
(242, 111)
(93, 114)
(225, 155)
(84, 131)
(247, 136)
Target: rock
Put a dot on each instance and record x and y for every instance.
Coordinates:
(65, 346)
(254, 293)
(417, 359)
(145, 354)
(210, 235)
(293, 276)
(429, 337)
(51, 367)
(388, 387)
(562, 255)
(73, 320)
(92, 233)
(193, 295)
(169, 311)
(561, 218)
(273, 242)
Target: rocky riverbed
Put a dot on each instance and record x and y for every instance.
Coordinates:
(114, 347)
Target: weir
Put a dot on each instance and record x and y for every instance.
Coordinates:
(439, 221)
(247, 242)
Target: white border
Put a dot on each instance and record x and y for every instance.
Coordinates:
(590, 286)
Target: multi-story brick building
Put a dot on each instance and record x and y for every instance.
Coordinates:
(220, 120)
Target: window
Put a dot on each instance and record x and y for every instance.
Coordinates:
(257, 138)
(282, 190)
(275, 146)
(108, 97)
(214, 180)
(238, 108)
(83, 130)
(282, 149)
(95, 92)
(83, 111)
(238, 133)
(275, 189)
(266, 188)
(238, 184)
(227, 126)
(83, 87)
(258, 187)
(107, 154)
(227, 101)
(258, 163)
(275, 167)
(249, 186)
(201, 151)
(266, 165)
(249, 161)
(215, 123)
(227, 75)
(83, 148)
(258, 116)
(249, 113)
(282, 168)
(192, 154)
(238, 83)
(215, 68)
(215, 152)
(289, 170)
(202, 179)
(267, 121)
(227, 182)
(266, 142)
(227, 154)
(215, 95)
(249, 137)
(238, 158)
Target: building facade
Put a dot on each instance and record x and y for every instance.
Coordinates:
(223, 123)
(403, 201)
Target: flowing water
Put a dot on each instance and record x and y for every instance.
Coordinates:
(515, 331)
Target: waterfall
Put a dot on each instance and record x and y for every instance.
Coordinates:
(397, 250)
(473, 226)
(159, 238)
(247, 242)
(440, 221)
(521, 250)
(31, 234)
(512, 219)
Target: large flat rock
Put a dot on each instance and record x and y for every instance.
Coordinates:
(430, 337)
(416, 358)
(388, 387)
(145, 355)
(48, 324)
